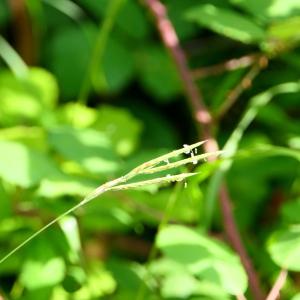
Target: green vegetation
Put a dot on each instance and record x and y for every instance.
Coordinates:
(95, 203)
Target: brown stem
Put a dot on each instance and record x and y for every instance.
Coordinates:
(279, 283)
(205, 123)
(244, 84)
(23, 32)
(230, 65)
(240, 297)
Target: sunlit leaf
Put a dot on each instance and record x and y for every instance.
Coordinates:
(204, 257)
(122, 128)
(284, 248)
(88, 147)
(269, 10)
(43, 267)
(68, 54)
(23, 166)
(226, 22)
(28, 98)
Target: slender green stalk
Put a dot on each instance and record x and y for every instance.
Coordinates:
(95, 73)
(120, 184)
(153, 252)
(12, 59)
(232, 143)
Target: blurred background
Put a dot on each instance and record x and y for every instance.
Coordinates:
(88, 91)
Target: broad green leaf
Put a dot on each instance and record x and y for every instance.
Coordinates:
(284, 248)
(158, 74)
(88, 147)
(22, 99)
(130, 277)
(179, 285)
(130, 19)
(23, 166)
(269, 10)
(226, 22)
(67, 7)
(120, 126)
(176, 9)
(172, 275)
(186, 208)
(99, 282)
(285, 30)
(118, 65)
(294, 142)
(32, 136)
(58, 186)
(77, 115)
(107, 214)
(68, 54)
(204, 257)
(42, 267)
(275, 117)
(290, 211)
(211, 291)
(39, 293)
(74, 280)
(296, 297)
(70, 229)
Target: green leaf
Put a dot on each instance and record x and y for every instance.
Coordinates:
(26, 98)
(204, 257)
(285, 30)
(99, 282)
(284, 248)
(290, 211)
(70, 228)
(68, 55)
(226, 22)
(108, 214)
(173, 274)
(132, 21)
(296, 297)
(74, 280)
(120, 126)
(76, 115)
(58, 186)
(269, 10)
(43, 267)
(179, 285)
(88, 147)
(128, 276)
(118, 65)
(4, 13)
(23, 166)
(158, 74)
(176, 9)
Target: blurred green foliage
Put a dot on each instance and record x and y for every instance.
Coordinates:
(56, 146)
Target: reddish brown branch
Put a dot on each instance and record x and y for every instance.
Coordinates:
(278, 285)
(246, 82)
(230, 65)
(23, 32)
(204, 121)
